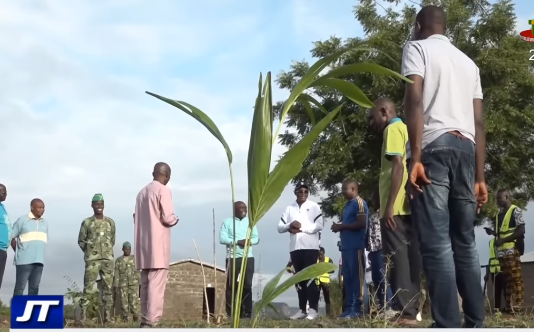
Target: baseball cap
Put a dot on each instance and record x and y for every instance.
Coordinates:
(301, 185)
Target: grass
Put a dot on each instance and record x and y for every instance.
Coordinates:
(500, 321)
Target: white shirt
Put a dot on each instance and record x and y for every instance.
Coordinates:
(451, 82)
(311, 220)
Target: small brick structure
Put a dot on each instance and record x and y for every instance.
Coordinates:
(184, 295)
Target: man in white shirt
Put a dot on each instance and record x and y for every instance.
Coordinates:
(303, 220)
(443, 110)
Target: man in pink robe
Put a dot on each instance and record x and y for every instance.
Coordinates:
(153, 220)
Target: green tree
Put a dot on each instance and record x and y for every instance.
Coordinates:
(485, 32)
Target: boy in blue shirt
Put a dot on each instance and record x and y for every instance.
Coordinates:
(352, 234)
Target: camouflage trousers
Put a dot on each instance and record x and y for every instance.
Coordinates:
(104, 268)
(129, 300)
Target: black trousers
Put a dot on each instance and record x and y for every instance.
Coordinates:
(3, 259)
(308, 291)
(498, 280)
(401, 248)
(325, 288)
(246, 303)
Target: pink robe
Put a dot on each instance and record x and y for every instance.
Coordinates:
(153, 219)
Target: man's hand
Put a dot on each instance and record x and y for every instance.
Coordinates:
(499, 242)
(481, 194)
(241, 243)
(417, 178)
(294, 230)
(336, 227)
(388, 218)
(295, 224)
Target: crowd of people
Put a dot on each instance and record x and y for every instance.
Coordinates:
(430, 187)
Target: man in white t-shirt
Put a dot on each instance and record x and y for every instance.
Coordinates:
(303, 219)
(443, 110)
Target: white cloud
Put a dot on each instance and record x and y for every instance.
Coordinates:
(76, 121)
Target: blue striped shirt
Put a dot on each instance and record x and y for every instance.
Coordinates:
(31, 235)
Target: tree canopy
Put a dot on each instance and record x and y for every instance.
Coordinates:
(348, 149)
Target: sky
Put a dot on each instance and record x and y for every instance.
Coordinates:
(76, 120)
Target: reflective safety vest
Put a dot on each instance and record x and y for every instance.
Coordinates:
(504, 230)
(495, 266)
(325, 277)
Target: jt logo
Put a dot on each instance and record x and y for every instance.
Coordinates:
(45, 306)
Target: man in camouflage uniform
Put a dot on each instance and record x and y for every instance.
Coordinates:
(96, 239)
(126, 283)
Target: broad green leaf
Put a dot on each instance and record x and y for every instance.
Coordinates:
(349, 89)
(364, 67)
(314, 101)
(308, 108)
(311, 272)
(290, 165)
(200, 117)
(271, 285)
(306, 81)
(260, 147)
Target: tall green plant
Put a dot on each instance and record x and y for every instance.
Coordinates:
(264, 187)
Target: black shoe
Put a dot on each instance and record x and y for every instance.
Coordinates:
(145, 325)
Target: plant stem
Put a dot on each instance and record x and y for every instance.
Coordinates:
(244, 261)
(233, 277)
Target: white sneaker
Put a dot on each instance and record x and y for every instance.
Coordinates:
(418, 317)
(298, 315)
(312, 314)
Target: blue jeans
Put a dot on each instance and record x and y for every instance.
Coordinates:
(28, 274)
(443, 215)
(353, 270)
(378, 269)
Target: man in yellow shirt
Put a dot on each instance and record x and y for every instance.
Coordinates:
(399, 238)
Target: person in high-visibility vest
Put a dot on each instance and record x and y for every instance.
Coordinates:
(498, 279)
(323, 282)
(509, 228)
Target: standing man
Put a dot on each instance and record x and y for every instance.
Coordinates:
(29, 239)
(352, 233)
(96, 239)
(5, 232)
(154, 218)
(509, 228)
(126, 283)
(323, 282)
(498, 279)
(227, 238)
(376, 259)
(443, 109)
(399, 237)
(303, 220)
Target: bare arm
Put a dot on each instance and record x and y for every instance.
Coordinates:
(480, 141)
(413, 67)
(397, 174)
(413, 111)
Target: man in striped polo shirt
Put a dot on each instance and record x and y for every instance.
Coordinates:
(29, 239)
